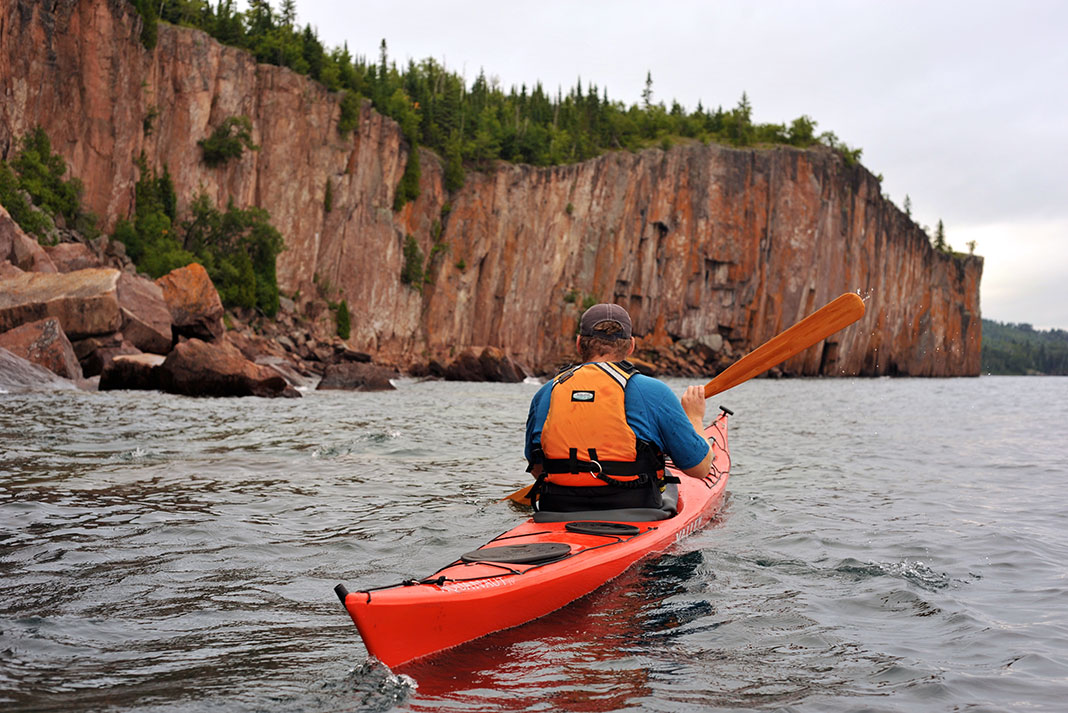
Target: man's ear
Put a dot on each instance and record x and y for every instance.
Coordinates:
(630, 350)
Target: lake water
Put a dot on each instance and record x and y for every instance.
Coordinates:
(886, 545)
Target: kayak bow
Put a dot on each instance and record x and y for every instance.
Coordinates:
(527, 572)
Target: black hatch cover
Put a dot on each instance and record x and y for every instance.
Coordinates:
(532, 553)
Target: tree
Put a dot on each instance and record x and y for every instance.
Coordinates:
(343, 325)
(908, 205)
(287, 13)
(802, 131)
(940, 238)
(228, 140)
(647, 93)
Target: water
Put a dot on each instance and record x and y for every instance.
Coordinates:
(887, 545)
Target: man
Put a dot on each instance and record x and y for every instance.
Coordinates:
(597, 433)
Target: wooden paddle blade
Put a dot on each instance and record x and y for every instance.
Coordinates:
(521, 496)
(819, 325)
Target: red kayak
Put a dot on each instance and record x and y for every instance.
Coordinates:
(531, 570)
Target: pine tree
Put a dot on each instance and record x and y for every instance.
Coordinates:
(287, 13)
(343, 325)
(940, 238)
(647, 93)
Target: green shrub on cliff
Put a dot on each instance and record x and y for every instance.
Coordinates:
(343, 324)
(350, 113)
(228, 140)
(33, 222)
(38, 173)
(238, 247)
(149, 21)
(412, 273)
(150, 238)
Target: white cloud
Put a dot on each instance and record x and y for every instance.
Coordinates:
(1024, 269)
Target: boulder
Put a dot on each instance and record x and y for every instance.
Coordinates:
(343, 353)
(95, 353)
(44, 343)
(146, 318)
(132, 372)
(357, 376)
(292, 372)
(21, 250)
(197, 368)
(487, 364)
(196, 310)
(18, 375)
(498, 366)
(85, 302)
(70, 257)
(84, 347)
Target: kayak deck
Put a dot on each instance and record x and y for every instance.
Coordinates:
(546, 565)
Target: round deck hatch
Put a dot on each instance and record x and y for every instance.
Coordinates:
(532, 553)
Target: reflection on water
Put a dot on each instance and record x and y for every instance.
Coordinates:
(886, 545)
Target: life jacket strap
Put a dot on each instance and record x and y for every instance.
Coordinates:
(604, 467)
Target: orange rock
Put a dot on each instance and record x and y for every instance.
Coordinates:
(85, 302)
(196, 310)
(146, 317)
(199, 368)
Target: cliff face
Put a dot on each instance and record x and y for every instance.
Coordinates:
(695, 241)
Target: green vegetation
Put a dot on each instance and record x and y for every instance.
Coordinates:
(37, 173)
(237, 247)
(149, 30)
(228, 140)
(343, 324)
(412, 273)
(485, 122)
(1022, 349)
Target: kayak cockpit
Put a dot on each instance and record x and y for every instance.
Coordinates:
(669, 509)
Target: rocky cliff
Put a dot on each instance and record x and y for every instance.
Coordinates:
(713, 250)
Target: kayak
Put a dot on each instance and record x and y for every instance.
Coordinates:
(543, 564)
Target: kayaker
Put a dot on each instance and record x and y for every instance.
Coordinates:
(597, 434)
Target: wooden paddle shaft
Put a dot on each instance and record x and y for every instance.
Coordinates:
(819, 325)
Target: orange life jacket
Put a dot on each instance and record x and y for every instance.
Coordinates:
(586, 440)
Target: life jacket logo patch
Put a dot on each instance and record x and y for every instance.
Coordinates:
(586, 396)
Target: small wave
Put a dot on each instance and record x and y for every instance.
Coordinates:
(911, 571)
(379, 688)
(135, 454)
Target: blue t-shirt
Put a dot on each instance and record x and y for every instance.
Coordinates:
(653, 413)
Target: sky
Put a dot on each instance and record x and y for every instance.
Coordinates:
(962, 106)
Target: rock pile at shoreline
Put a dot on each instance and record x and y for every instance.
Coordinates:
(80, 311)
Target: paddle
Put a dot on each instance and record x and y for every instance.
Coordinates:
(819, 325)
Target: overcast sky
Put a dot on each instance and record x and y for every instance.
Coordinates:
(962, 106)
